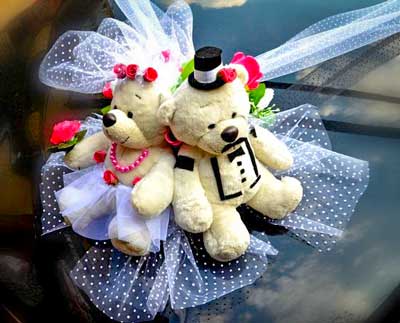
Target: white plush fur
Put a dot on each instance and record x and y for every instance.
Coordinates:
(154, 192)
(197, 203)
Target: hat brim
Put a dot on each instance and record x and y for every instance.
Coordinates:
(205, 86)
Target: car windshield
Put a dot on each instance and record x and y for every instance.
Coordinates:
(357, 96)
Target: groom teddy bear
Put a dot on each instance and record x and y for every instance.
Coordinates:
(224, 162)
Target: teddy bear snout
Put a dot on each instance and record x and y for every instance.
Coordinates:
(109, 119)
(230, 134)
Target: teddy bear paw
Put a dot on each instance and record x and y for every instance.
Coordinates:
(137, 247)
(135, 244)
(226, 247)
(292, 193)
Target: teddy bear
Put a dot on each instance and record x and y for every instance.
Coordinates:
(224, 162)
(137, 157)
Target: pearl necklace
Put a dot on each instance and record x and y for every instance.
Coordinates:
(125, 169)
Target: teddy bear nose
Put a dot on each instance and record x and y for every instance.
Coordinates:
(109, 119)
(230, 134)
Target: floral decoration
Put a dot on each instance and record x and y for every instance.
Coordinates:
(227, 74)
(65, 135)
(150, 74)
(99, 156)
(110, 178)
(252, 67)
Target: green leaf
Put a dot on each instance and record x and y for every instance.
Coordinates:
(105, 110)
(187, 69)
(256, 95)
(80, 135)
(267, 115)
(68, 144)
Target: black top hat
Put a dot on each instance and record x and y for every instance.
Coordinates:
(207, 62)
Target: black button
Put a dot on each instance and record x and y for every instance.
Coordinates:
(239, 163)
(244, 179)
(242, 171)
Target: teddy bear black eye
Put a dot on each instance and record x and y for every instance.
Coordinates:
(211, 126)
(233, 115)
(130, 114)
(115, 107)
(138, 96)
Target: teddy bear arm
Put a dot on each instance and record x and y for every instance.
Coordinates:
(269, 149)
(192, 209)
(275, 197)
(81, 156)
(154, 192)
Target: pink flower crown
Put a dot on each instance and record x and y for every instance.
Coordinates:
(129, 71)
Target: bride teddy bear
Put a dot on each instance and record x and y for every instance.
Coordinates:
(134, 153)
(224, 161)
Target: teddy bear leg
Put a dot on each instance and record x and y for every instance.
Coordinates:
(227, 238)
(276, 198)
(136, 244)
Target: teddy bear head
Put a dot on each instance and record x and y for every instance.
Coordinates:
(132, 121)
(214, 117)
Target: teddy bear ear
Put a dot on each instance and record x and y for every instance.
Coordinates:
(166, 111)
(241, 72)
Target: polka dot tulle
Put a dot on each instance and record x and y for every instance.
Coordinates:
(83, 61)
(332, 183)
(53, 177)
(130, 289)
(332, 37)
(52, 181)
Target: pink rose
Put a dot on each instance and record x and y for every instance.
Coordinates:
(252, 67)
(99, 156)
(131, 71)
(227, 74)
(150, 74)
(107, 91)
(110, 178)
(120, 70)
(64, 131)
(166, 54)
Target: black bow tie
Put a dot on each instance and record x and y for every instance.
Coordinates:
(238, 152)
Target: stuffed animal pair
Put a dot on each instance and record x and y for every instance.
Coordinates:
(223, 163)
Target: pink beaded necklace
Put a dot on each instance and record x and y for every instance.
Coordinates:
(128, 168)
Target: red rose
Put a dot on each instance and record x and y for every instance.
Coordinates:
(64, 131)
(227, 74)
(110, 178)
(252, 67)
(136, 180)
(166, 54)
(107, 91)
(120, 70)
(131, 71)
(99, 156)
(150, 74)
